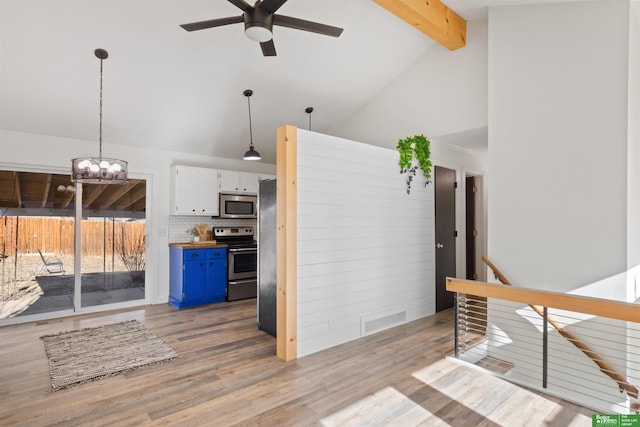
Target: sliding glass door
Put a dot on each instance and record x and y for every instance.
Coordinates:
(44, 268)
(113, 243)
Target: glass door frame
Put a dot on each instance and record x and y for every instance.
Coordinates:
(150, 263)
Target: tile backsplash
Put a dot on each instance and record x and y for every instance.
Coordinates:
(178, 225)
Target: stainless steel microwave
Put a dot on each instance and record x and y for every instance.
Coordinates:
(238, 206)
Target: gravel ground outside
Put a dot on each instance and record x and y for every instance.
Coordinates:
(25, 276)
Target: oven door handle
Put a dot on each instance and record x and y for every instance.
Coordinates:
(242, 250)
(243, 281)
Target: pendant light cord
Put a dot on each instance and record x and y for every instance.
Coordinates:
(309, 110)
(250, 130)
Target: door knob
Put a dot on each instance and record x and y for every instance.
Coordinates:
(439, 245)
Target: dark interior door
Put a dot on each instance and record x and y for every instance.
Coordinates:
(470, 229)
(445, 217)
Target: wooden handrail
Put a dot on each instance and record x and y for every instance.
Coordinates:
(588, 305)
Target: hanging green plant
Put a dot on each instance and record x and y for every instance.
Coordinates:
(417, 147)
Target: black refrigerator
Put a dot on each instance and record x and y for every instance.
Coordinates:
(267, 256)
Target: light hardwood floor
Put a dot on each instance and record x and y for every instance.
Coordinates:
(228, 375)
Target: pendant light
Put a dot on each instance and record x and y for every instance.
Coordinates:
(251, 154)
(99, 170)
(309, 110)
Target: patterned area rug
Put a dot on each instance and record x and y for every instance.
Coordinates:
(85, 355)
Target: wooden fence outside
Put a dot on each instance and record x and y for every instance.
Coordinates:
(55, 236)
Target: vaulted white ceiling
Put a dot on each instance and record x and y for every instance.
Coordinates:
(169, 89)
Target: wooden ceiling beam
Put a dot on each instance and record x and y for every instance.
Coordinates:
(68, 198)
(45, 193)
(136, 194)
(433, 18)
(92, 194)
(116, 195)
(16, 180)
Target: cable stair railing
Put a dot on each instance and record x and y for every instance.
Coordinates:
(605, 367)
(493, 333)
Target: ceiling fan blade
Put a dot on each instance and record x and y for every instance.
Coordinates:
(301, 24)
(271, 5)
(268, 48)
(241, 4)
(193, 26)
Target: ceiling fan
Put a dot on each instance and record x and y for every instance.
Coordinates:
(259, 20)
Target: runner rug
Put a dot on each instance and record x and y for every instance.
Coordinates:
(85, 355)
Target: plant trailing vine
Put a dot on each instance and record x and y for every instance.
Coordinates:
(417, 147)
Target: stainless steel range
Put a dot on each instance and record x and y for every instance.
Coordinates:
(241, 261)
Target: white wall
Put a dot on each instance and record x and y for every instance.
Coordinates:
(633, 246)
(558, 146)
(441, 93)
(31, 152)
(558, 142)
(365, 247)
(633, 182)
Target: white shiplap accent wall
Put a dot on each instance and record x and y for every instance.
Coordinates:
(365, 247)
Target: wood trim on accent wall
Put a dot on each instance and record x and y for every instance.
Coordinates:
(286, 268)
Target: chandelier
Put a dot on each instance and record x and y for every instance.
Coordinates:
(99, 170)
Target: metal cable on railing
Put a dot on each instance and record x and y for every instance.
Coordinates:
(606, 368)
(503, 330)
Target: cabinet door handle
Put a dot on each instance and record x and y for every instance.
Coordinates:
(216, 253)
(194, 255)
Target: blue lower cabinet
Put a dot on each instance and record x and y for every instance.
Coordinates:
(216, 287)
(197, 276)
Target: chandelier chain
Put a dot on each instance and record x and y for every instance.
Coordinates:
(100, 127)
(99, 170)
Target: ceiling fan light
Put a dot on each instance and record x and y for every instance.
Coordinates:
(258, 34)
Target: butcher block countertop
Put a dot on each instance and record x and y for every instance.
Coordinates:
(199, 245)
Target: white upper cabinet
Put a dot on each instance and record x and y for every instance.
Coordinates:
(194, 191)
(208, 200)
(238, 182)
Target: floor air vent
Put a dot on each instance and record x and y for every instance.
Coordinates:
(371, 324)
